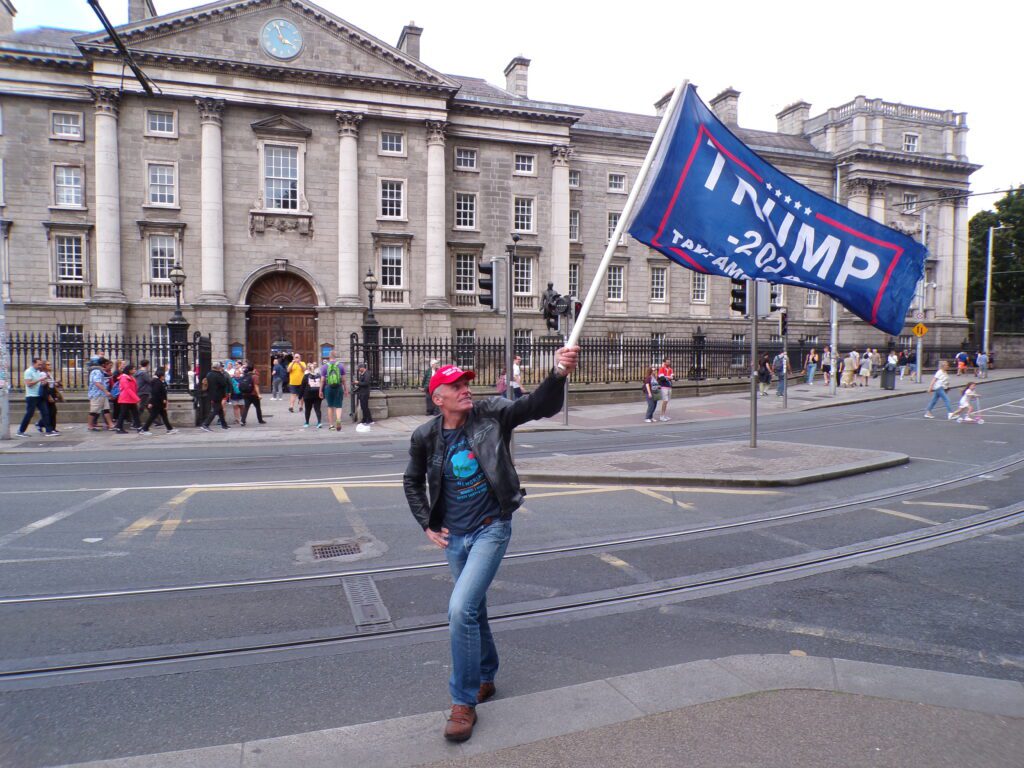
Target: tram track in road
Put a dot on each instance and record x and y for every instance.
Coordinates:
(730, 577)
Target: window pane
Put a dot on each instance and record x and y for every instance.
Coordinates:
(70, 265)
(281, 171)
(391, 199)
(67, 124)
(71, 339)
(574, 225)
(465, 347)
(574, 278)
(524, 164)
(613, 222)
(68, 185)
(813, 298)
(161, 184)
(391, 142)
(699, 288)
(161, 256)
(523, 220)
(391, 348)
(522, 276)
(160, 122)
(615, 276)
(465, 158)
(522, 345)
(465, 210)
(391, 266)
(574, 178)
(465, 273)
(616, 182)
(658, 275)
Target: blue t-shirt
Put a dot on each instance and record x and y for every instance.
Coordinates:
(97, 378)
(34, 376)
(468, 499)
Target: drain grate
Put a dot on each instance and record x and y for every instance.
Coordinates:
(368, 608)
(325, 551)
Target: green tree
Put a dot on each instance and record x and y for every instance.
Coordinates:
(1007, 251)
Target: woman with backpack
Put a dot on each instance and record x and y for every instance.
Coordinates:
(332, 374)
(312, 394)
(249, 386)
(128, 400)
(650, 389)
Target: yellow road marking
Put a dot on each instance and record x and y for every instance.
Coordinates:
(622, 565)
(905, 515)
(138, 526)
(662, 497)
(945, 504)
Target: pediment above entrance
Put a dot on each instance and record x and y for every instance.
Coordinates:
(281, 126)
(256, 36)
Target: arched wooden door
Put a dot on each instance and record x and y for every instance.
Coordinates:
(282, 308)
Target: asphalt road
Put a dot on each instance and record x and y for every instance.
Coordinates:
(142, 521)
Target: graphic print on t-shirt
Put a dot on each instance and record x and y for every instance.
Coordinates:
(468, 499)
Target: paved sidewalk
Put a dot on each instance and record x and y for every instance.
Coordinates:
(775, 711)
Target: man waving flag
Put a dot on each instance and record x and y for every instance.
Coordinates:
(712, 205)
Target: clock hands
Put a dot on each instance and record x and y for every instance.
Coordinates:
(277, 28)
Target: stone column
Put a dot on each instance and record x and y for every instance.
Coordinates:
(944, 253)
(108, 197)
(348, 208)
(211, 196)
(857, 192)
(876, 205)
(559, 246)
(960, 246)
(436, 295)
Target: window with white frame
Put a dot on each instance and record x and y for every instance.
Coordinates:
(522, 276)
(659, 284)
(465, 347)
(163, 184)
(813, 298)
(614, 350)
(657, 347)
(465, 210)
(160, 335)
(574, 279)
(162, 257)
(391, 267)
(698, 288)
(71, 342)
(617, 183)
(525, 165)
(522, 214)
(70, 253)
(616, 282)
(392, 143)
(391, 348)
(739, 355)
(574, 179)
(465, 273)
(613, 222)
(66, 125)
(574, 225)
(67, 186)
(161, 122)
(910, 142)
(281, 177)
(522, 345)
(910, 202)
(465, 159)
(392, 198)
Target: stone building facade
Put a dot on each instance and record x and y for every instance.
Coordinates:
(285, 153)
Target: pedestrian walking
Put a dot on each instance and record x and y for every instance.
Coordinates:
(828, 362)
(425, 386)
(764, 375)
(780, 367)
(938, 387)
(901, 361)
(811, 365)
(961, 362)
(115, 388)
(515, 384)
(650, 389)
(215, 385)
(99, 404)
(312, 394)
(362, 386)
(235, 395)
(249, 386)
(33, 377)
(462, 489)
(665, 378)
(912, 363)
(128, 400)
(143, 383)
(981, 365)
(49, 392)
(865, 369)
(335, 389)
(156, 407)
(278, 376)
(968, 405)
(296, 370)
(849, 369)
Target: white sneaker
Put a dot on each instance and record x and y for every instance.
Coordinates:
(928, 416)
(648, 421)
(664, 418)
(951, 416)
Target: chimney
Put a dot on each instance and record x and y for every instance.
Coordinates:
(515, 76)
(7, 14)
(662, 103)
(140, 10)
(726, 106)
(409, 42)
(792, 118)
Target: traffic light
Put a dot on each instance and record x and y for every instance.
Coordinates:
(486, 282)
(739, 296)
(776, 299)
(783, 324)
(577, 308)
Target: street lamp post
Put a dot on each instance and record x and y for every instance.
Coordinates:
(178, 328)
(371, 331)
(988, 292)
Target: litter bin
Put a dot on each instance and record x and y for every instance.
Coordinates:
(888, 378)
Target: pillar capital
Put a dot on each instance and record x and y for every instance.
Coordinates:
(435, 132)
(348, 123)
(211, 111)
(560, 154)
(107, 101)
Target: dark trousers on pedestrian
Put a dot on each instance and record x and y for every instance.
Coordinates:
(144, 411)
(125, 411)
(276, 388)
(364, 405)
(51, 425)
(216, 409)
(252, 400)
(652, 403)
(32, 404)
(313, 405)
(157, 412)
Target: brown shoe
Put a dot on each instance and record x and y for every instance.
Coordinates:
(460, 723)
(487, 690)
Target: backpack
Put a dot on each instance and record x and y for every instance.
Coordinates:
(333, 375)
(779, 364)
(234, 385)
(244, 384)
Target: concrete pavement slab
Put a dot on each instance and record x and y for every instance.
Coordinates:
(228, 756)
(682, 685)
(767, 672)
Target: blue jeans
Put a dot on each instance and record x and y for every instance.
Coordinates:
(31, 405)
(939, 394)
(811, 369)
(652, 403)
(474, 559)
(782, 384)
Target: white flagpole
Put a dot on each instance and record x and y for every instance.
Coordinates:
(627, 209)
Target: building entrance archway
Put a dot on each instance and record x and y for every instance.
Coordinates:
(282, 314)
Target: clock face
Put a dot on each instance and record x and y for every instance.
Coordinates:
(281, 39)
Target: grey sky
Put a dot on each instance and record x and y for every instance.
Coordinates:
(941, 55)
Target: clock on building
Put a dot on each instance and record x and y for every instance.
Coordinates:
(281, 39)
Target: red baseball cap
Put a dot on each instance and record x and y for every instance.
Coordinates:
(448, 374)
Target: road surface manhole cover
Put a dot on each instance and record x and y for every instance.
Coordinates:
(343, 549)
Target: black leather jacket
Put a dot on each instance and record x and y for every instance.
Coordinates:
(488, 430)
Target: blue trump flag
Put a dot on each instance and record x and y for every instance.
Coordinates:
(710, 204)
